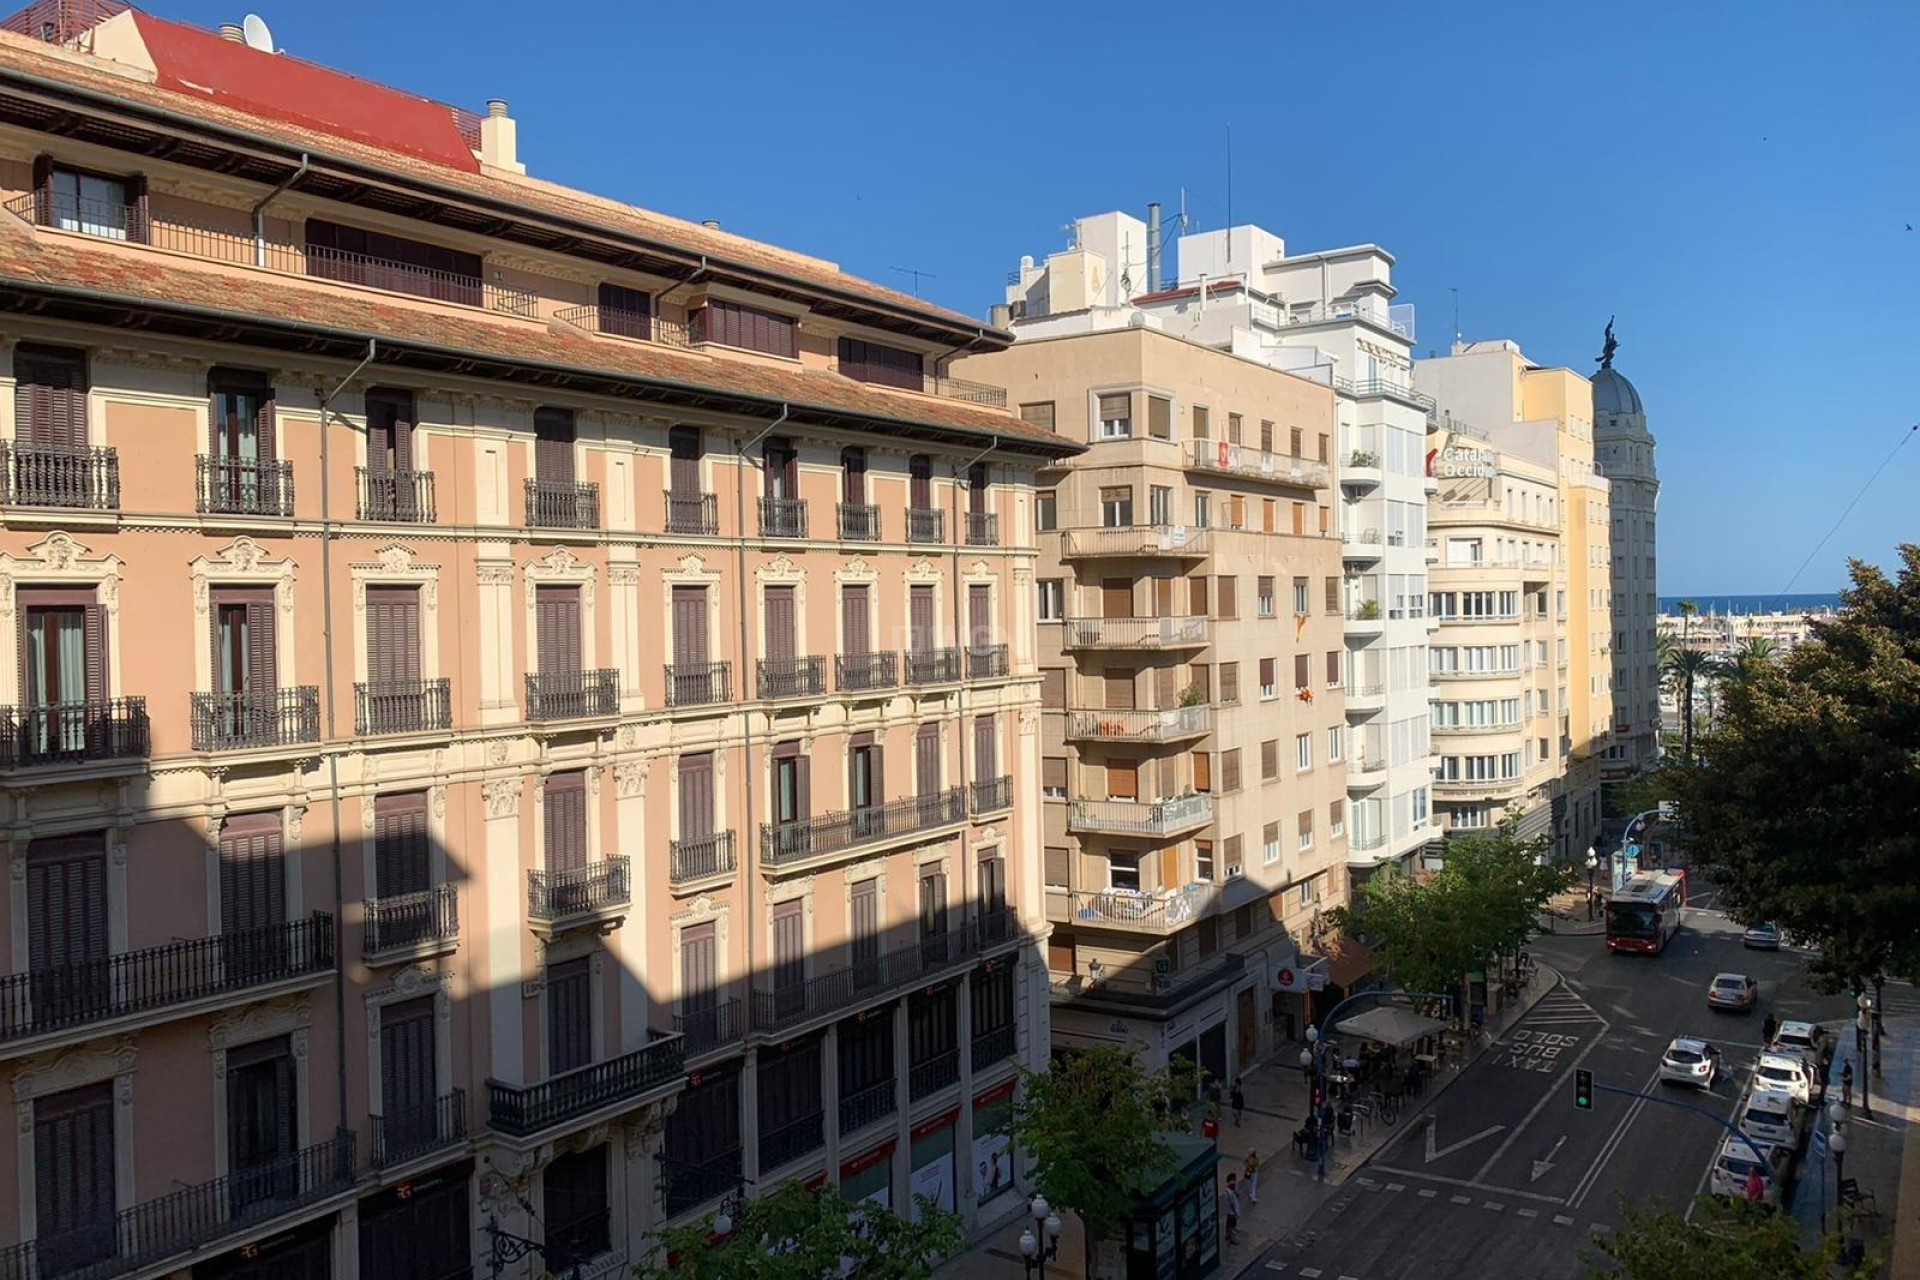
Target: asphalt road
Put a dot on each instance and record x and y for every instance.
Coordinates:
(1500, 1175)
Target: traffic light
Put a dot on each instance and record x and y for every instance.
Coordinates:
(1583, 1088)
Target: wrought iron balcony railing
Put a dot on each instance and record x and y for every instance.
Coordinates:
(864, 672)
(790, 1141)
(74, 732)
(992, 794)
(793, 677)
(563, 504)
(709, 1026)
(695, 513)
(933, 666)
(623, 322)
(987, 662)
(784, 843)
(572, 695)
(783, 517)
(403, 497)
(573, 892)
(686, 1184)
(983, 529)
(521, 1110)
(418, 1131)
(243, 486)
(859, 522)
(939, 1072)
(81, 477)
(404, 921)
(926, 524)
(992, 1046)
(402, 706)
(698, 684)
(701, 858)
(272, 718)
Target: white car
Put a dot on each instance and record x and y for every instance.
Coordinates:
(1809, 1039)
(1772, 1116)
(1788, 1073)
(1690, 1060)
(1735, 1164)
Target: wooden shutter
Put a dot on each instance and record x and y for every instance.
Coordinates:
(1200, 676)
(855, 627)
(926, 759)
(979, 614)
(262, 655)
(779, 624)
(557, 625)
(690, 626)
(1159, 417)
(253, 873)
(261, 1120)
(1229, 682)
(1053, 773)
(1116, 597)
(1333, 595)
(1119, 682)
(1059, 866)
(1230, 770)
(1227, 596)
(553, 436)
(566, 820)
(1123, 780)
(1165, 693)
(684, 472)
(1197, 596)
(401, 863)
(1302, 670)
(1053, 687)
(390, 430)
(1333, 668)
(920, 618)
(920, 482)
(393, 633)
(624, 311)
(789, 945)
(986, 765)
(1060, 952)
(407, 1066)
(66, 902)
(51, 395)
(866, 918)
(1202, 771)
(933, 903)
(699, 972)
(1268, 674)
(95, 637)
(1163, 597)
(1169, 777)
(696, 796)
(74, 1172)
(1270, 758)
(853, 476)
(569, 1015)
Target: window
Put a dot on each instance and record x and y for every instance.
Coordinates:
(63, 655)
(1159, 505)
(1159, 417)
(1226, 597)
(1202, 510)
(1333, 669)
(1266, 435)
(1269, 680)
(401, 864)
(1232, 852)
(1233, 428)
(1053, 777)
(1303, 671)
(1053, 600)
(574, 1187)
(569, 993)
(1337, 818)
(1264, 596)
(1335, 745)
(1229, 683)
(1116, 417)
(73, 1143)
(1304, 840)
(557, 626)
(888, 366)
(1046, 511)
(1303, 751)
(1053, 687)
(262, 1111)
(1203, 771)
(553, 438)
(1309, 891)
(626, 312)
(1116, 507)
(1203, 861)
(565, 822)
(1038, 413)
(1333, 595)
(1269, 515)
(1302, 596)
(1123, 780)
(1207, 936)
(1123, 870)
(97, 204)
(1202, 428)
(383, 261)
(1230, 770)
(732, 325)
(67, 922)
(1270, 758)
(1270, 843)
(1058, 871)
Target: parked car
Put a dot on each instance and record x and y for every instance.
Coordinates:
(1809, 1039)
(1772, 1115)
(1690, 1060)
(1761, 937)
(1789, 1073)
(1732, 991)
(1736, 1163)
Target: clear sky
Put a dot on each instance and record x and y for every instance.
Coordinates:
(1733, 181)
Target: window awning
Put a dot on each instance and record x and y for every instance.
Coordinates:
(1390, 1026)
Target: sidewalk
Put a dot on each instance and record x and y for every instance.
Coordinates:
(1290, 1189)
(1879, 1155)
(1566, 916)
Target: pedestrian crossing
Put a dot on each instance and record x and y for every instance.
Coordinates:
(1560, 1007)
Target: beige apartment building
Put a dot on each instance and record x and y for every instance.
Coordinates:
(526, 720)
(1546, 415)
(1192, 664)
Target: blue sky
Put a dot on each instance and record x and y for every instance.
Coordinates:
(1731, 180)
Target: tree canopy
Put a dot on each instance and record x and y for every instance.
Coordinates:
(1724, 1240)
(1805, 804)
(797, 1233)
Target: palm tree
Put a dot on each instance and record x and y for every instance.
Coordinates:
(1685, 667)
(1744, 660)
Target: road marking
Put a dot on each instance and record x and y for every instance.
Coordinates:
(1461, 1199)
(1276, 1266)
(1528, 1213)
(1494, 1205)
(1396, 1186)
(1310, 1272)
(1433, 1126)
(1472, 1186)
(1428, 1193)
(1612, 1145)
(1562, 1220)
(1545, 1098)
(1368, 1183)
(1542, 1165)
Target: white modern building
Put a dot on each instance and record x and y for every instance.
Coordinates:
(1623, 447)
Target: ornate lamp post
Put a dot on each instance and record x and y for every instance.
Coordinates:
(1593, 864)
(1040, 1243)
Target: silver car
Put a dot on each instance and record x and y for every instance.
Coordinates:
(1772, 1116)
(1733, 991)
(1761, 937)
(1689, 1060)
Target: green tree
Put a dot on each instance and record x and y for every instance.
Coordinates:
(1685, 668)
(795, 1233)
(1805, 808)
(1724, 1240)
(1094, 1126)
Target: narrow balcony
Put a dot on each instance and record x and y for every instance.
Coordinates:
(1459, 730)
(785, 845)
(274, 718)
(983, 529)
(175, 979)
(563, 504)
(783, 517)
(618, 1084)
(1366, 770)
(868, 1106)
(692, 513)
(70, 476)
(1366, 842)
(578, 895)
(866, 672)
(1160, 818)
(243, 487)
(1361, 546)
(348, 267)
(1485, 788)
(686, 1185)
(398, 497)
(189, 1219)
(419, 1131)
(991, 795)
(715, 1024)
(1366, 699)
(1478, 619)
(1362, 470)
(1173, 724)
(933, 666)
(1365, 388)
(624, 322)
(931, 384)
(1133, 911)
(859, 522)
(1136, 633)
(993, 1046)
(402, 706)
(1147, 542)
(1365, 618)
(700, 858)
(792, 677)
(987, 662)
(73, 733)
(926, 1078)
(789, 1142)
(926, 524)
(1496, 673)
(1221, 458)
(572, 695)
(407, 925)
(698, 684)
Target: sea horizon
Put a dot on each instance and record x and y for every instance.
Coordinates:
(1723, 605)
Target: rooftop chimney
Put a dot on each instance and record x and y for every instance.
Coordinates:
(233, 31)
(1000, 315)
(500, 138)
(711, 224)
(1153, 246)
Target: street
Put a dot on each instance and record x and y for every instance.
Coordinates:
(1500, 1175)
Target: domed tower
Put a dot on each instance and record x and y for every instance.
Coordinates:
(1623, 448)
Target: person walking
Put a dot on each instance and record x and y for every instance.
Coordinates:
(1769, 1029)
(1233, 1210)
(1239, 1099)
(1253, 1177)
(1846, 1084)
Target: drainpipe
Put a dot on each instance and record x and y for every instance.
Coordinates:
(744, 460)
(966, 654)
(260, 233)
(699, 271)
(939, 361)
(327, 535)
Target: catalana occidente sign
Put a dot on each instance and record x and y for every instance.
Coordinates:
(1462, 462)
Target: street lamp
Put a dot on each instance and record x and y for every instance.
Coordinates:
(1593, 864)
(1838, 1145)
(1040, 1243)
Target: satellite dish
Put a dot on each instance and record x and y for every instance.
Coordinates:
(257, 34)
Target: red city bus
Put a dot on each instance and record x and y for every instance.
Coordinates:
(1645, 911)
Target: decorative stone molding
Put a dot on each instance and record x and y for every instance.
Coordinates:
(71, 1068)
(243, 563)
(780, 571)
(57, 558)
(856, 571)
(623, 575)
(410, 982)
(494, 575)
(629, 779)
(503, 797)
(497, 752)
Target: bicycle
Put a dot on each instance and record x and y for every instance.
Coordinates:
(1385, 1104)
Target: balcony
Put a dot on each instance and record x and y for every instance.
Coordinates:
(242, 487)
(71, 733)
(784, 845)
(698, 684)
(1362, 470)
(1135, 633)
(572, 695)
(618, 1084)
(983, 529)
(1361, 546)
(1498, 673)
(1502, 726)
(1153, 541)
(926, 524)
(406, 925)
(1133, 911)
(1365, 699)
(1365, 618)
(177, 979)
(859, 522)
(420, 1131)
(622, 322)
(1366, 842)
(993, 795)
(74, 477)
(866, 672)
(699, 858)
(563, 504)
(994, 1046)
(715, 1026)
(863, 1107)
(1171, 725)
(1159, 818)
(941, 1071)
(275, 718)
(792, 677)
(189, 1219)
(1366, 770)
(578, 895)
(1488, 788)
(789, 1142)
(403, 706)
(933, 666)
(987, 662)
(1478, 619)
(685, 1185)
(399, 497)
(1222, 458)
(1365, 388)
(692, 513)
(328, 263)
(979, 393)
(883, 976)
(783, 517)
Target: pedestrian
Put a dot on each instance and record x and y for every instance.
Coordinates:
(1210, 1126)
(1253, 1177)
(1846, 1084)
(1233, 1209)
(1239, 1098)
(1769, 1029)
(1756, 1189)
(1213, 1093)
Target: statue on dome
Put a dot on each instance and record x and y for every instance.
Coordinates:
(1612, 345)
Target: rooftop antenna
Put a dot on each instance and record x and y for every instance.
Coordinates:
(1229, 191)
(1456, 313)
(258, 35)
(917, 275)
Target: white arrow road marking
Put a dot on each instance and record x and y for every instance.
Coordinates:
(1436, 1152)
(1545, 1163)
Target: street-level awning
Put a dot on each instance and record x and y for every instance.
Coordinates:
(1391, 1026)
(1347, 961)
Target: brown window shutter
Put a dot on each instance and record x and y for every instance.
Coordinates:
(986, 764)
(253, 874)
(1336, 812)
(1123, 780)
(690, 626)
(684, 474)
(1165, 694)
(400, 855)
(979, 614)
(1060, 953)
(1227, 596)
(566, 820)
(1231, 848)
(1302, 670)
(393, 633)
(95, 636)
(1306, 822)
(926, 759)
(1197, 596)
(696, 795)
(855, 629)
(553, 437)
(1296, 442)
(66, 901)
(1229, 682)
(1119, 688)
(74, 1165)
(789, 951)
(1200, 677)
(262, 650)
(1039, 414)
(1202, 427)
(569, 1015)
(853, 475)
(1159, 417)
(1333, 595)
(1230, 770)
(920, 481)
(1116, 597)
(780, 638)
(1059, 866)
(920, 618)
(1270, 758)
(557, 628)
(699, 972)
(1267, 674)
(1333, 668)
(1053, 687)
(1053, 773)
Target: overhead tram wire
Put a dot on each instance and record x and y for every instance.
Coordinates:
(1850, 506)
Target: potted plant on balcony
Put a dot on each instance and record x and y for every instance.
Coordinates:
(1361, 458)
(1193, 696)
(1368, 610)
